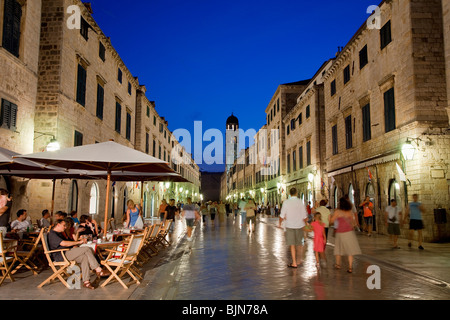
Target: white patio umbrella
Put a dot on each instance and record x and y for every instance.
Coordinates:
(107, 157)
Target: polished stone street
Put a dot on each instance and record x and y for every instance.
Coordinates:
(228, 263)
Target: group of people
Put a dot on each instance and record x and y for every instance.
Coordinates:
(294, 219)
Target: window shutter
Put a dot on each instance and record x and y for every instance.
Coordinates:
(128, 129)
(389, 110)
(100, 101)
(348, 132)
(300, 155)
(367, 130)
(11, 26)
(118, 117)
(8, 119)
(308, 153)
(335, 140)
(81, 85)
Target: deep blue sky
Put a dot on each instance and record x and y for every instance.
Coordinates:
(201, 60)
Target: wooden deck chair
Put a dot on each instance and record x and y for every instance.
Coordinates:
(153, 240)
(161, 238)
(165, 232)
(6, 260)
(144, 255)
(59, 268)
(123, 265)
(24, 257)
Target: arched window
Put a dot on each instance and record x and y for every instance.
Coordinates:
(370, 191)
(73, 196)
(351, 193)
(394, 191)
(335, 197)
(94, 200)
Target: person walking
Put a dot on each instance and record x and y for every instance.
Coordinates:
(414, 212)
(162, 210)
(325, 214)
(250, 209)
(213, 212)
(242, 205)
(294, 216)
(393, 219)
(222, 210)
(320, 238)
(191, 214)
(346, 243)
(367, 206)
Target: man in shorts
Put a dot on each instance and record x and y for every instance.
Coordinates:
(414, 211)
(294, 215)
(393, 219)
(367, 206)
(191, 214)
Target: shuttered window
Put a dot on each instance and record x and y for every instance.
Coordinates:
(294, 161)
(333, 87)
(389, 110)
(288, 163)
(102, 52)
(347, 74)
(385, 35)
(84, 31)
(147, 143)
(363, 58)
(11, 26)
(128, 130)
(81, 85)
(8, 117)
(348, 132)
(308, 153)
(308, 112)
(334, 139)
(118, 117)
(300, 156)
(367, 125)
(78, 139)
(100, 101)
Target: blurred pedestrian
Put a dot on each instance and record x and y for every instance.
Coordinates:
(294, 216)
(367, 206)
(222, 211)
(320, 238)
(242, 205)
(393, 219)
(346, 243)
(162, 210)
(191, 214)
(250, 209)
(213, 212)
(414, 212)
(325, 215)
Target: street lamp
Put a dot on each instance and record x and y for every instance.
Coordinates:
(53, 145)
(408, 150)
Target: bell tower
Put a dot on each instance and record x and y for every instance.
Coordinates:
(232, 138)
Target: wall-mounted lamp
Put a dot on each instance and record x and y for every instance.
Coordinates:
(408, 150)
(53, 145)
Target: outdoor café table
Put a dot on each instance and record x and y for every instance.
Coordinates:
(117, 237)
(99, 248)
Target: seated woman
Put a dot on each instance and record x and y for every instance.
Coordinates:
(88, 227)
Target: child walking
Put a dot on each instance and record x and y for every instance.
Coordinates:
(320, 238)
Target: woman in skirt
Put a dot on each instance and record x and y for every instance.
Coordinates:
(346, 242)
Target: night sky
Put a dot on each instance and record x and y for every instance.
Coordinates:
(201, 60)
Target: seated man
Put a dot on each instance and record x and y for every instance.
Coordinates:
(83, 256)
(21, 224)
(45, 223)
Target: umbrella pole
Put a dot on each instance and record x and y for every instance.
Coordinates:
(142, 197)
(108, 181)
(53, 198)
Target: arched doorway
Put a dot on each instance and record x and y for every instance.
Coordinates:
(125, 199)
(94, 199)
(335, 197)
(73, 196)
(394, 192)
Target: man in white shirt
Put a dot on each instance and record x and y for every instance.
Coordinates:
(21, 224)
(393, 218)
(294, 215)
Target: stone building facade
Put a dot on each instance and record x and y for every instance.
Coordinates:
(71, 85)
(387, 89)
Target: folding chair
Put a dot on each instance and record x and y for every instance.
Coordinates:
(59, 268)
(144, 256)
(123, 264)
(24, 257)
(163, 234)
(6, 260)
(153, 240)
